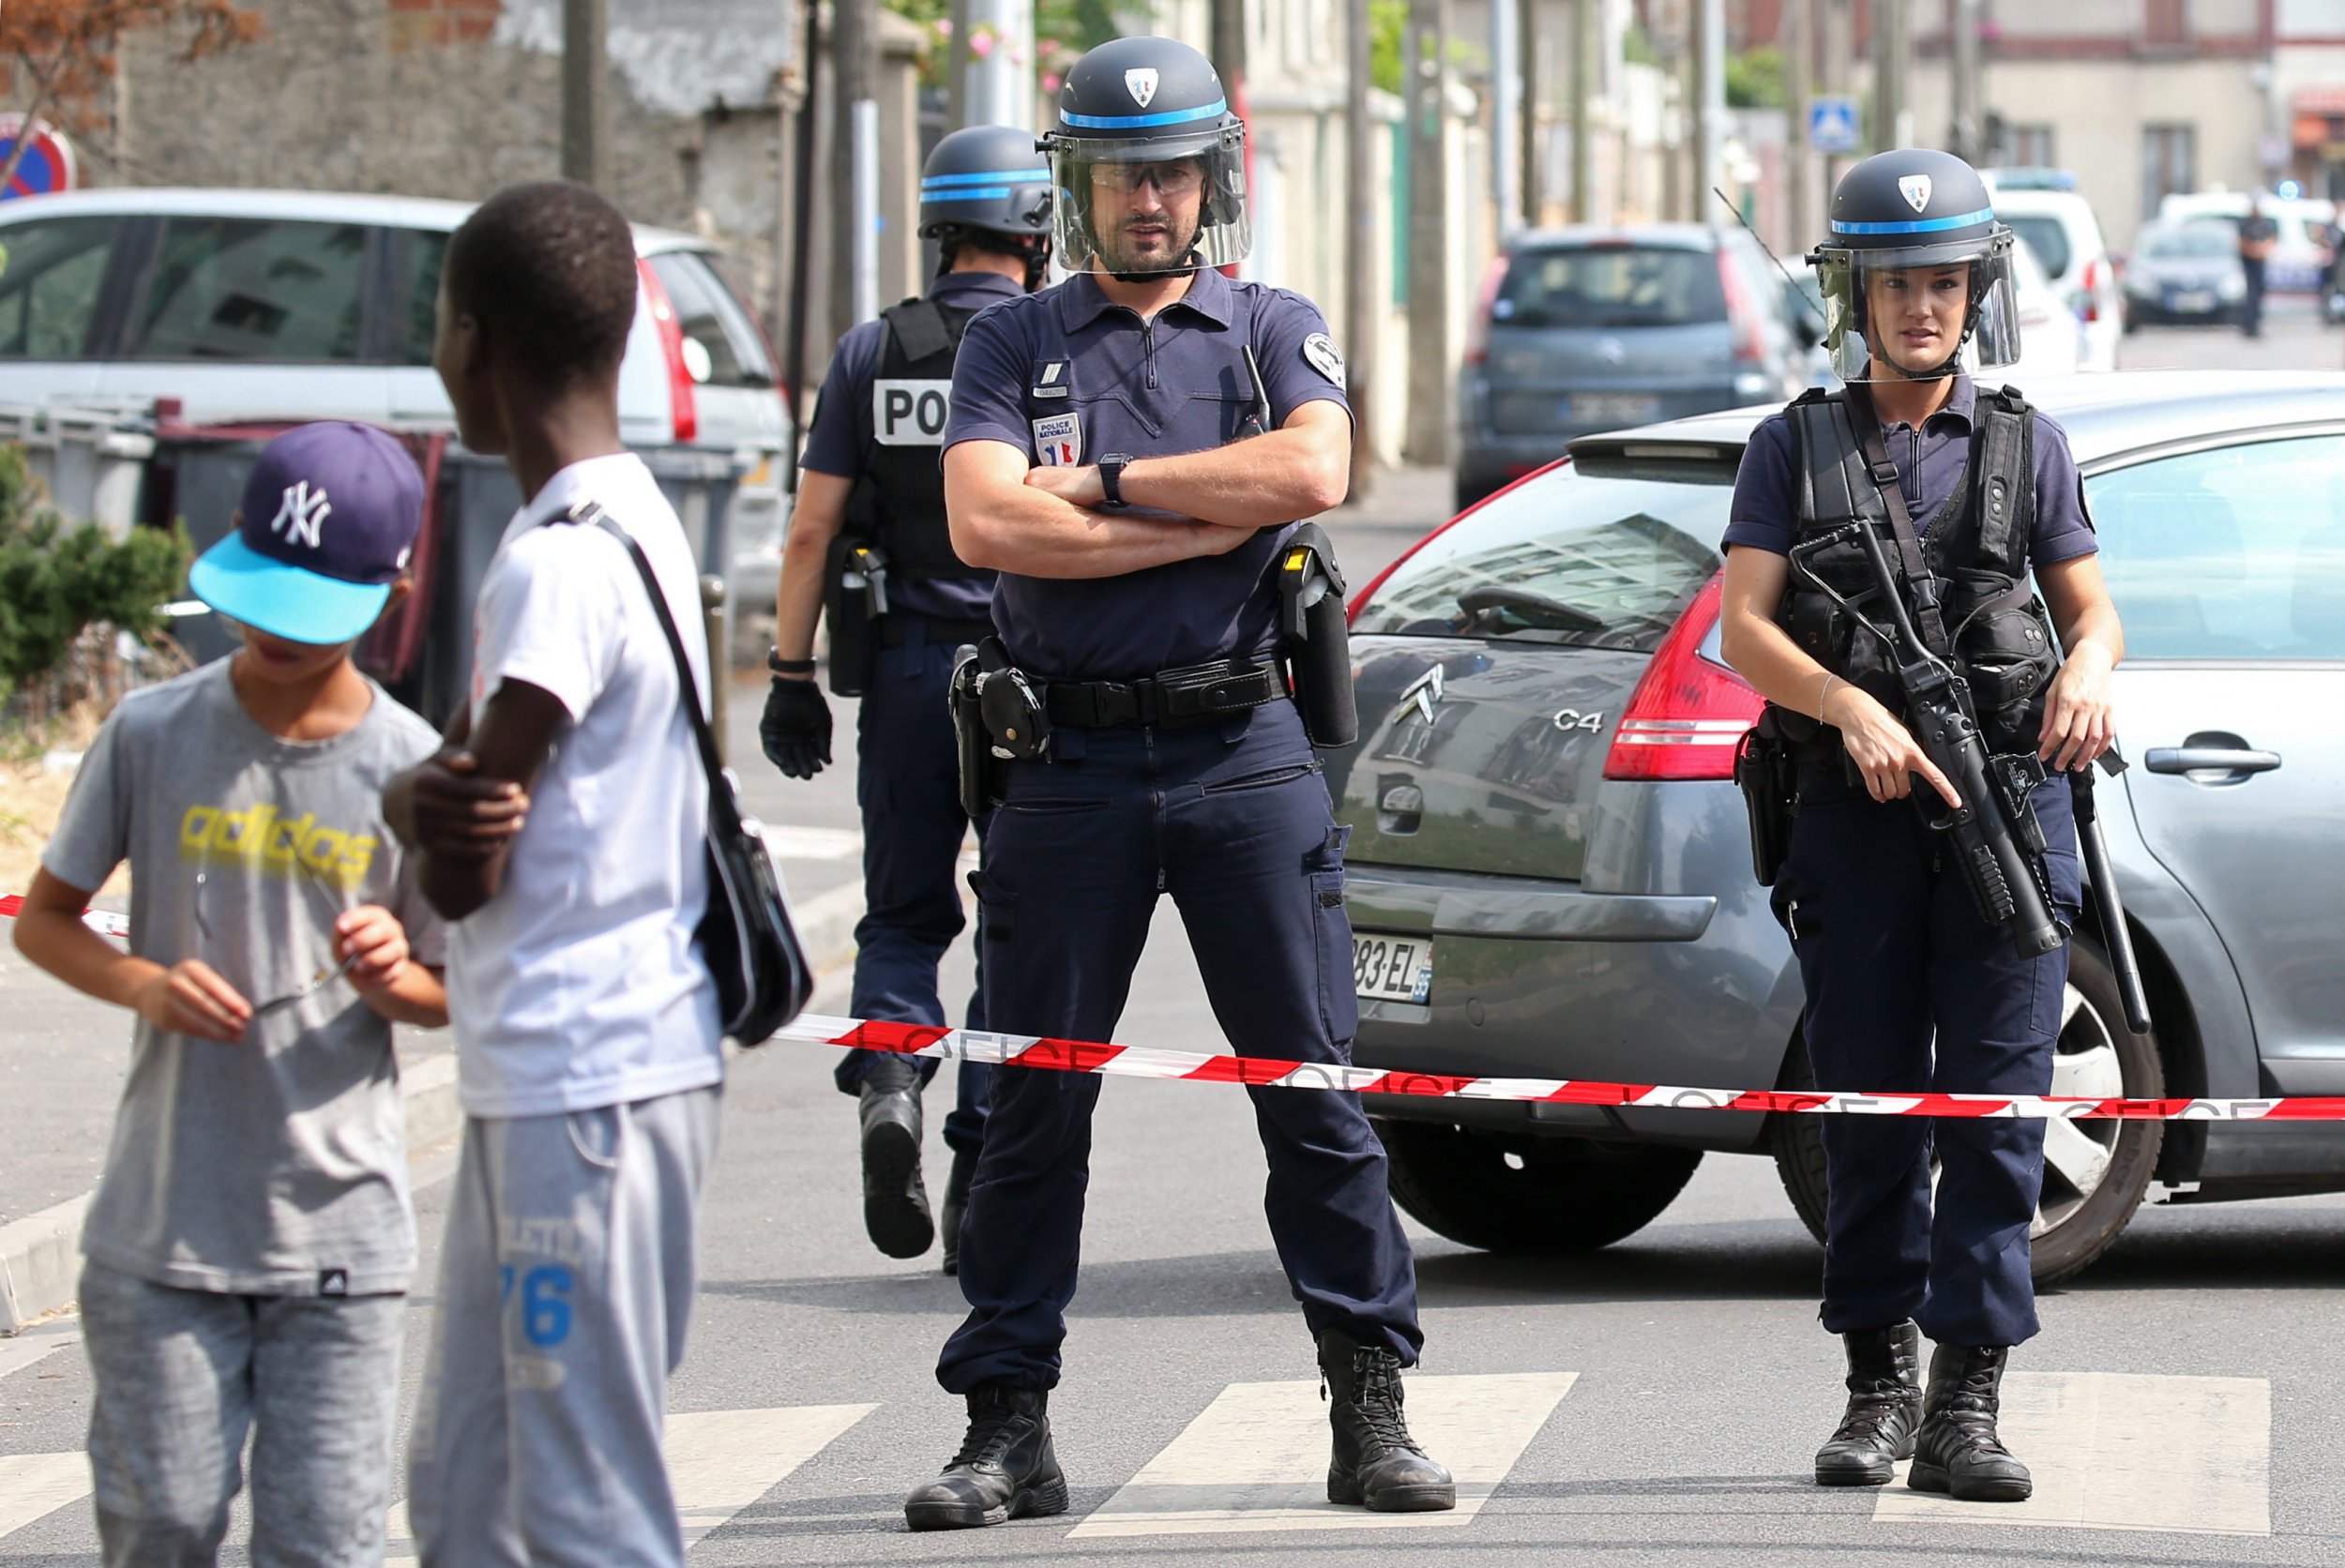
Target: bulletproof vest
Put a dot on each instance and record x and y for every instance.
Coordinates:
(898, 502)
(1974, 548)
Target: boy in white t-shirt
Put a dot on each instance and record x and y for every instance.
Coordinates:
(564, 827)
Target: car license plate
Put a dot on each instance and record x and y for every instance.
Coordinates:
(1392, 969)
(2197, 300)
(1611, 407)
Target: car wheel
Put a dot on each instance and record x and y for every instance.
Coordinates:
(1519, 1193)
(2094, 1172)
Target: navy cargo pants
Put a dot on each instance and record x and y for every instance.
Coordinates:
(1909, 990)
(1232, 819)
(908, 782)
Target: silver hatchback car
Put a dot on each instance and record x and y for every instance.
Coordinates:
(1550, 873)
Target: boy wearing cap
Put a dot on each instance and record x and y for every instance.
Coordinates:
(249, 1247)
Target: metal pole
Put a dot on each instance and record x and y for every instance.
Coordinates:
(865, 303)
(1710, 85)
(1001, 79)
(1584, 47)
(715, 624)
(1799, 58)
(1505, 105)
(1839, 71)
(802, 241)
(1892, 115)
(852, 247)
(1535, 88)
(1968, 140)
(956, 66)
(1425, 77)
(585, 103)
(1361, 307)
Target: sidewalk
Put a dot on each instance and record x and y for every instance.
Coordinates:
(63, 1056)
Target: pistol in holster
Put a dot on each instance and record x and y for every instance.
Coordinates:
(855, 596)
(1766, 767)
(1315, 637)
(999, 717)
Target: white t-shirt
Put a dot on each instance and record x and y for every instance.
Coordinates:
(579, 985)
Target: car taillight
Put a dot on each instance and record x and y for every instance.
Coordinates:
(680, 398)
(1688, 712)
(1749, 347)
(1477, 345)
(2096, 279)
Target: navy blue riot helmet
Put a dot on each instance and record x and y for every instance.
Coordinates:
(1150, 162)
(1915, 219)
(988, 181)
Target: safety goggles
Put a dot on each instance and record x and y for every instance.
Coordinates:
(323, 976)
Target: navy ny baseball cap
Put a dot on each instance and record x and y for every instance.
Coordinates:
(328, 521)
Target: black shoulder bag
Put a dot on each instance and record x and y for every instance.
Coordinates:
(746, 938)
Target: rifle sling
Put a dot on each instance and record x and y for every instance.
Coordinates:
(1927, 619)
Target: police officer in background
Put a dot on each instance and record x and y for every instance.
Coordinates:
(1129, 450)
(868, 546)
(1909, 988)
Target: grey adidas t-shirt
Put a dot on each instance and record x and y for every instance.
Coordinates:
(276, 1166)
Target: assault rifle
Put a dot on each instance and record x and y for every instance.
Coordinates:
(1994, 831)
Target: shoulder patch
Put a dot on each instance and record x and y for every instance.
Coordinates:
(1318, 352)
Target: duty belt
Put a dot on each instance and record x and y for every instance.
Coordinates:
(1187, 695)
(895, 630)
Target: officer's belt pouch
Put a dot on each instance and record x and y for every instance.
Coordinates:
(980, 771)
(1765, 769)
(1316, 638)
(1017, 721)
(2003, 637)
(847, 611)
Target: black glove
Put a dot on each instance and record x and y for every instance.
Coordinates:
(795, 730)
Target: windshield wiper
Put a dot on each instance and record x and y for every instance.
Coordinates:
(1536, 609)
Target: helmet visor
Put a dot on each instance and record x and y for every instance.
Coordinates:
(1919, 312)
(1140, 205)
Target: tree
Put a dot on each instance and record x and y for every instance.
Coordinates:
(66, 50)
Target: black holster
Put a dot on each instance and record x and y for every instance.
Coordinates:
(1766, 767)
(855, 596)
(980, 771)
(1315, 638)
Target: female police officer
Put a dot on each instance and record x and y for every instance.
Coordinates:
(1128, 449)
(1907, 986)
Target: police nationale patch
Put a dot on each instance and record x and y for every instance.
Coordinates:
(1058, 441)
(1916, 189)
(1318, 352)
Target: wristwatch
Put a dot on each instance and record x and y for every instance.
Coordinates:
(1111, 481)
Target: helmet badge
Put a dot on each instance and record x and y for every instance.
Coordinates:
(1142, 83)
(1916, 189)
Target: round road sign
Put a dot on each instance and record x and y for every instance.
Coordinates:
(48, 163)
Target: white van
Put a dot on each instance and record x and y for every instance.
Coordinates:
(2059, 226)
(265, 306)
(2300, 257)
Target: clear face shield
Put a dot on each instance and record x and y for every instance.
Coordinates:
(1136, 206)
(1920, 312)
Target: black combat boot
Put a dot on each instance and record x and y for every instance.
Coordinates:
(1376, 1463)
(1885, 1405)
(1956, 1450)
(956, 1206)
(895, 1201)
(1004, 1469)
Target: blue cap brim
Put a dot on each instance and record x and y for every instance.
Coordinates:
(285, 601)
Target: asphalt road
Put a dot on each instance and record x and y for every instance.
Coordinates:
(1653, 1403)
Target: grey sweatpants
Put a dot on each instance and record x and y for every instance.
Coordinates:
(566, 1286)
(181, 1375)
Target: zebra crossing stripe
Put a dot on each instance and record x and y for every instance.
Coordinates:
(33, 1485)
(1256, 1458)
(2124, 1451)
(718, 1462)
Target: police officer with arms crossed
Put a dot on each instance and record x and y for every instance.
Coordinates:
(1909, 987)
(1129, 450)
(869, 546)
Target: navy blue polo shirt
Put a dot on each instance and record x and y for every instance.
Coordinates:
(839, 441)
(1065, 376)
(1929, 464)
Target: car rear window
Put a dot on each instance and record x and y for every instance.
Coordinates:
(730, 352)
(1610, 287)
(1565, 558)
(241, 288)
(49, 289)
(2047, 236)
(2196, 241)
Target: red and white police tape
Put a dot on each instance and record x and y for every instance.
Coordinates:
(1087, 1056)
(1084, 1056)
(97, 920)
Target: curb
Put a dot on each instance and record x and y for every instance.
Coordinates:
(40, 1255)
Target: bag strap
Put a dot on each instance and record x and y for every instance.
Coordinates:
(1919, 581)
(688, 689)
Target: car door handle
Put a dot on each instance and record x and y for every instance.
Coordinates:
(2224, 758)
